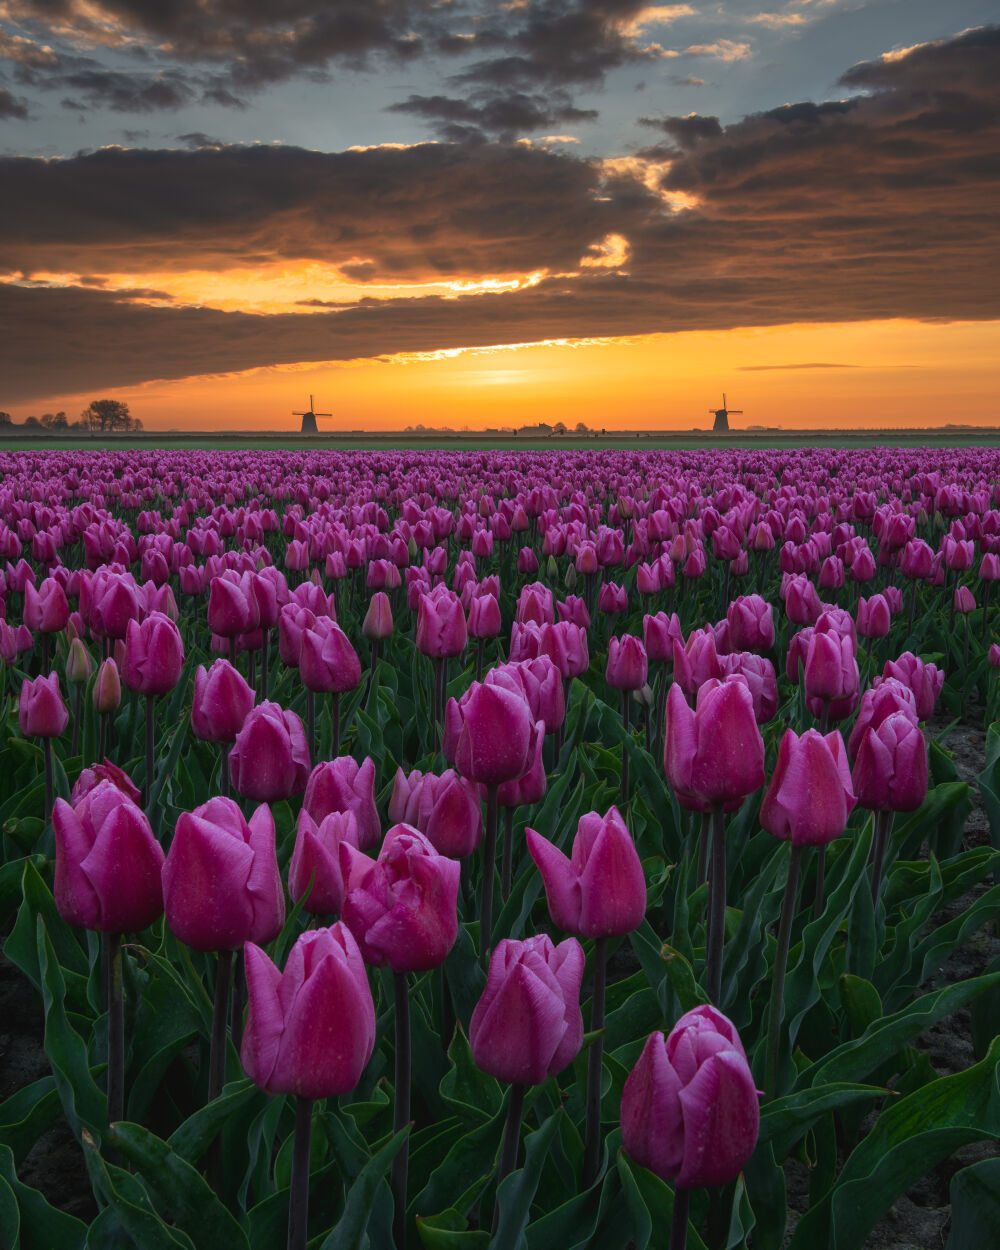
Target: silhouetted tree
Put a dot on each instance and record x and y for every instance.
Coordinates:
(6, 418)
(54, 420)
(109, 416)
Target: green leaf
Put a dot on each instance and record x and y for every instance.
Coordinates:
(975, 1206)
(909, 1138)
(784, 1121)
(192, 1138)
(193, 1206)
(650, 1203)
(83, 1103)
(517, 1191)
(26, 1115)
(473, 1093)
(860, 1000)
(349, 1232)
(132, 1204)
(39, 1225)
(450, 1231)
(854, 1060)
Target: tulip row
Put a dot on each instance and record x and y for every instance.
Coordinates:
(440, 737)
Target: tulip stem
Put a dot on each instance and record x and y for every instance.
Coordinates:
(311, 723)
(625, 723)
(883, 823)
(703, 844)
(114, 1002)
(820, 880)
(49, 790)
(225, 784)
(511, 1142)
(679, 1223)
(298, 1194)
(716, 906)
(239, 1000)
(336, 726)
(220, 1018)
(150, 699)
(401, 1110)
(77, 716)
(489, 856)
(592, 1148)
(778, 973)
(264, 659)
(480, 644)
(507, 857)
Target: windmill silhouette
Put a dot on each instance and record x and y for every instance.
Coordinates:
(309, 418)
(722, 415)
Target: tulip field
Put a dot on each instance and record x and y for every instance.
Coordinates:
(499, 848)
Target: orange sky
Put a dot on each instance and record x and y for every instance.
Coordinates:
(902, 373)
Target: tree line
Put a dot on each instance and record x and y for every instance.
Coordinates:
(101, 416)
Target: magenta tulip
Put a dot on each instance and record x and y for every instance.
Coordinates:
(315, 875)
(890, 771)
(343, 785)
(628, 665)
(714, 752)
(222, 702)
(810, 795)
(311, 1029)
(490, 728)
(446, 810)
(154, 655)
(270, 758)
(41, 711)
(328, 662)
(221, 886)
(108, 863)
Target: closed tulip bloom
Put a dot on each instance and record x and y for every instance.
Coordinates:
(874, 617)
(222, 702)
(696, 662)
(831, 573)
(862, 567)
(989, 567)
(628, 666)
(535, 604)
(689, 1111)
(107, 692)
(574, 609)
(446, 809)
(714, 751)
(959, 553)
(925, 680)
(310, 1030)
(527, 562)
(600, 891)
(528, 1025)
(890, 771)
(491, 730)
(831, 676)
(114, 603)
(441, 629)
(539, 683)
(41, 711)
(232, 606)
(402, 907)
(377, 624)
(566, 645)
(758, 673)
(993, 655)
(221, 886)
(810, 795)
(659, 633)
(612, 600)
(751, 624)
(531, 785)
(78, 663)
(883, 700)
(154, 655)
(270, 758)
(314, 874)
(833, 620)
(108, 863)
(344, 785)
(292, 620)
(484, 617)
(965, 600)
(802, 601)
(46, 610)
(328, 662)
(916, 559)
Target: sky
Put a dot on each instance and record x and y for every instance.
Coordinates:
(469, 214)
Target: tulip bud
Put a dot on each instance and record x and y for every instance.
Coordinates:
(600, 891)
(311, 1029)
(689, 1108)
(78, 663)
(890, 772)
(270, 757)
(154, 655)
(377, 624)
(107, 691)
(343, 785)
(714, 752)
(628, 666)
(314, 874)
(528, 1025)
(222, 702)
(492, 728)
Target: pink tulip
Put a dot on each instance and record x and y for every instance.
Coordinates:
(890, 771)
(488, 734)
(402, 907)
(659, 634)
(311, 1029)
(92, 777)
(221, 886)
(314, 873)
(343, 785)
(809, 797)
(446, 810)
(874, 617)
(628, 666)
(714, 752)
(831, 676)
(327, 661)
(925, 680)
(689, 1108)
(600, 891)
(883, 700)
(222, 702)
(484, 617)
(528, 1025)
(751, 624)
(46, 610)
(41, 711)
(441, 628)
(270, 758)
(154, 655)
(108, 863)
(377, 625)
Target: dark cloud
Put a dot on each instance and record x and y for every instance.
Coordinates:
(414, 213)
(500, 115)
(12, 107)
(880, 207)
(125, 92)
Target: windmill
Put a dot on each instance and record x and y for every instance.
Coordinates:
(309, 418)
(722, 416)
